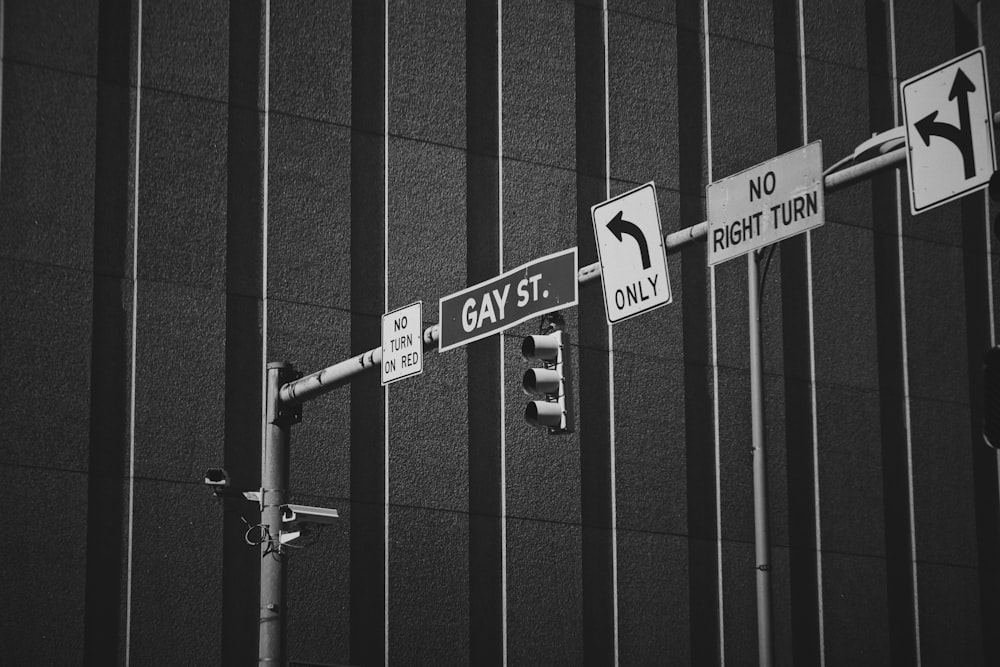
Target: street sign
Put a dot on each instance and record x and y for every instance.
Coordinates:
(949, 131)
(402, 343)
(538, 287)
(765, 204)
(630, 249)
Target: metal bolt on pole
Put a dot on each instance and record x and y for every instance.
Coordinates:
(274, 491)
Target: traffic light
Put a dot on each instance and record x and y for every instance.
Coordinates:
(553, 381)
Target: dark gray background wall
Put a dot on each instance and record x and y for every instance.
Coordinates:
(190, 189)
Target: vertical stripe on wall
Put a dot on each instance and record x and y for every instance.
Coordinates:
(797, 352)
(699, 415)
(244, 341)
(988, 233)
(133, 342)
(713, 361)
(385, 304)
(368, 466)
(594, 423)
(890, 336)
(611, 353)
(485, 374)
(110, 354)
(907, 423)
(817, 529)
(503, 405)
(2, 8)
(265, 104)
(975, 247)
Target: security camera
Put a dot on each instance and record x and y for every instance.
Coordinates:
(293, 515)
(217, 478)
(302, 519)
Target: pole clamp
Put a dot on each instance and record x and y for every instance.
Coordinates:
(281, 413)
(288, 414)
(764, 567)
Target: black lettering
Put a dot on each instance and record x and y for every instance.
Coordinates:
(786, 213)
(812, 203)
(800, 208)
(767, 189)
(718, 239)
(642, 292)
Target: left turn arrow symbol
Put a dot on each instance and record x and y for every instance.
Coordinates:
(619, 226)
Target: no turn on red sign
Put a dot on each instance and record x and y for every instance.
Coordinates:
(402, 343)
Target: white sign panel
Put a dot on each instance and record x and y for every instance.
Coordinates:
(949, 131)
(765, 204)
(633, 258)
(402, 343)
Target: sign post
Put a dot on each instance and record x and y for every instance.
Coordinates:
(630, 248)
(748, 211)
(949, 131)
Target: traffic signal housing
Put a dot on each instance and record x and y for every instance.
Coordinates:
(552, 382)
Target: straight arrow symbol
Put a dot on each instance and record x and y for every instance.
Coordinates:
(961, 136)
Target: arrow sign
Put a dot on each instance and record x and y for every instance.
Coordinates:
(961, 136)
(634, 283)
(619, 226)
(949, 131)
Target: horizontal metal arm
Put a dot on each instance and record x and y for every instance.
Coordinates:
(328, 379)
(320, 382)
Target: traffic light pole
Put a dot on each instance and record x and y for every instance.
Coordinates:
(285, 396)
(273, 495)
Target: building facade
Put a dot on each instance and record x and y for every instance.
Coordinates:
(190, 189)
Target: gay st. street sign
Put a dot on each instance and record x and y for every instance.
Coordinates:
(538, 287)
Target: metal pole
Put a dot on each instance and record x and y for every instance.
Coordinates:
(761, 532)
(274, 490)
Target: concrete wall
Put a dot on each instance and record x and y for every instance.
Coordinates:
(190, 189)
